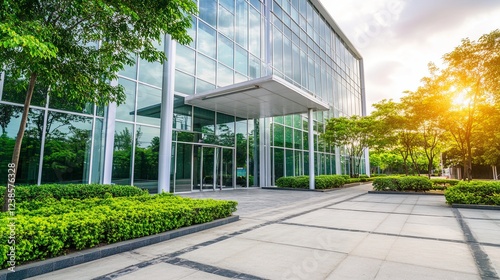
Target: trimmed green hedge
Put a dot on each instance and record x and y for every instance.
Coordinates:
(442, 184)
(475, 192)
(49, 227)
(72, 191)
(320, 181)
(408, 183)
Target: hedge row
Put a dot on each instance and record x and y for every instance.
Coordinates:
(475, 192)
(442, 184)
(408, 183)
(53, 228)
(72, 191)
(320, 181)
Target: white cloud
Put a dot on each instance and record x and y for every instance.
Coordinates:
(398, 38)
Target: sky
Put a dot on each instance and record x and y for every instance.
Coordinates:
(398, 38)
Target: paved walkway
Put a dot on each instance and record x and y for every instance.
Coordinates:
(344, 234)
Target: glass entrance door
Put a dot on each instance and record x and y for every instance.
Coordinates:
(225, 168)
(204, 162)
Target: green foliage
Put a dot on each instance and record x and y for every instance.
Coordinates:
(321, 182)
(442, 184)
(35, 193)
(50, 228)
(405, 183)
(474, 192)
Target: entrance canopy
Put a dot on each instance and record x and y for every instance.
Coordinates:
(263, 97)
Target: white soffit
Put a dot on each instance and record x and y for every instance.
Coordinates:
(263, 97)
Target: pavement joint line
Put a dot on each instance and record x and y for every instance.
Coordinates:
(165, 258)
(382, 202)
(483, 262)
(377, 233)
(212, 269)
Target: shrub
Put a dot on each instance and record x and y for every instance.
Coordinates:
(408, 183)
(320, 181)
(72, 191)
(57, 226)
(386, 183)
(475, 192)
(442, 184)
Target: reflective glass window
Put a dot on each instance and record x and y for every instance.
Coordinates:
(208, 11)
(184, 83)
(226, 22)
(183, 114)
(184, 59)
(147, 149)
(241, 61)
(205, 68)
(206, 40)
(67, 149)
(151, 72)
(126, 111)
(27, 169)
(122, 154)
(130, 71)
(148, 105)
(202, 86)
(226, 51)
(224, 76)
(242, 23)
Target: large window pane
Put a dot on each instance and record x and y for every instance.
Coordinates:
(279, 167)
(289, 163)
(184, 59)
(151, 73)
(206, 40)
(208, 11)
(67, 149)
(182, 114)
(226, 22)
(202, 86)
(27, 169)
(130, 71)
(147, 148)
(225, 130)
(279, 135)
(241, 61)
(204, 122)
(254, 44)
(184, 83)
(126, 110)
(148, 105)
(14, 90)
(224, 76)
(122, 154)
(242, 23)
(205, 69)
(226, 51)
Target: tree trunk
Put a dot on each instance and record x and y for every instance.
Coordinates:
(19, 140)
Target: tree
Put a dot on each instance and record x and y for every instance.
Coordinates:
(354, 134)
(473, 70)
(76, 47)
(424, 108)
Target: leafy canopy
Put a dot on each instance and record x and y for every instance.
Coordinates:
(76, 47)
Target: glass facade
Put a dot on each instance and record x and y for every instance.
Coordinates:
(233, 41)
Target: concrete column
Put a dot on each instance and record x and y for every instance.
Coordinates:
(367, 162)
(166, 114)
(265, 152)
(109, 142)
(311, 149)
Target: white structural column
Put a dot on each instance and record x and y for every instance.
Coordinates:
(109, 143)
(367, 162)
(363, 110)
(166, 115)
(338, 163)
(265, 152)
(311, 149)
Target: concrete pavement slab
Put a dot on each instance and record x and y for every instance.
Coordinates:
(433, 254)
(356, 268)
(401, 271)
(494, 256)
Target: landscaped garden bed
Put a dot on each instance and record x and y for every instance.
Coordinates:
(474, 192)
(322, 182)
(53, 220)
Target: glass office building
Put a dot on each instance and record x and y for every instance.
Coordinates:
(241, 106)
